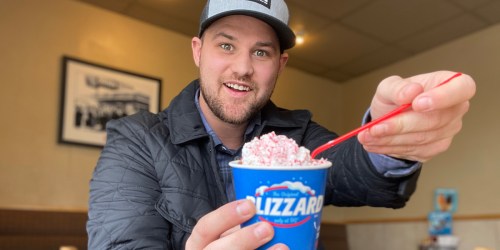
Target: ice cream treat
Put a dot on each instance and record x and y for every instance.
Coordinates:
(287, 187)
(276, 150)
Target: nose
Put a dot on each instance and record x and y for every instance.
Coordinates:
(242, 65)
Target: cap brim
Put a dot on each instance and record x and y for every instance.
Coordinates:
(285, 35)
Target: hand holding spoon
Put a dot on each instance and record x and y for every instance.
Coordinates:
(370, 124)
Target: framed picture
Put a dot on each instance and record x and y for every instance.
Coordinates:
(446, 200)
(93, 94)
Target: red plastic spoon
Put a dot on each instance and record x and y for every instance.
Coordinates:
(370, 124)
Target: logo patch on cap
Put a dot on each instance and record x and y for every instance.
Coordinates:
(266, 3)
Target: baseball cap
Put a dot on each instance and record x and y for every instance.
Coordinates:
(273, 12)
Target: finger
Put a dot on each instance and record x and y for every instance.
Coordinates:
(411, 139)
(230, 231)
(250, 237)
(279, 247)
(211, 226)
(421, 153)
(393, 92)
(412, 122)
(396, 90)
(458, 90)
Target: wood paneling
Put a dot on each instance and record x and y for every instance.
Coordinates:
(40, 230)
(48, 230)
(333, 236)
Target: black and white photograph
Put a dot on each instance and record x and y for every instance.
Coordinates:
(94, 94)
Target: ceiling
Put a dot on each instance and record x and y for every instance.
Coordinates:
(343, 38)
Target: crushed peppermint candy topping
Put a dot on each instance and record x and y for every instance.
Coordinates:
(276, 150)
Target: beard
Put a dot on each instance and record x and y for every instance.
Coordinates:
(235, 113)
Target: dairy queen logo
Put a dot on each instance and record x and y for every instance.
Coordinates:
(287, 204)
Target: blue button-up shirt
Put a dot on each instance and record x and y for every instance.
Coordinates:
(223, 154)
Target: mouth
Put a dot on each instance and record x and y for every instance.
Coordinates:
(237, 87)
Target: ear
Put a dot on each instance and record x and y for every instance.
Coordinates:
(196, 44)
(283, 60)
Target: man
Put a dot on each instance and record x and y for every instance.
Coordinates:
(163, 180)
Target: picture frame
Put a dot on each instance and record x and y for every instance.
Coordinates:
(93, 94)
(445, 200)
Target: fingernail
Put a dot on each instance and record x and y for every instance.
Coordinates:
(425, 103)
(262, 231)
(243, 208)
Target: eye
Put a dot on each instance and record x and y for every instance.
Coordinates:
(260, 53)
(226, 46)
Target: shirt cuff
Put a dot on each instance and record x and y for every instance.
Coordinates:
(391, 167)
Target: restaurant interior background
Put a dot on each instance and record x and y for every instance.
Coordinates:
(39, 174)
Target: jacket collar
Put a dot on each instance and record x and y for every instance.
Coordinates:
(185, 124)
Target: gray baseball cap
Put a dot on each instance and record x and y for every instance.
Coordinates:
(273, 12)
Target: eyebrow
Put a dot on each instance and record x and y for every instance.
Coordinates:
(224, 35)
(265, 44)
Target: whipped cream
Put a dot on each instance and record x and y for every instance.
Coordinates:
(276, 150)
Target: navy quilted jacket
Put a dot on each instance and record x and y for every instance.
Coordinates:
(157, 175)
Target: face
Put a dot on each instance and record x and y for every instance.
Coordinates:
(239, 60)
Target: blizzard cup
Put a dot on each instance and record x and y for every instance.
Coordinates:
(290, 198)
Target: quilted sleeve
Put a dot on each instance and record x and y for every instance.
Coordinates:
(123, 191)
(353, 180)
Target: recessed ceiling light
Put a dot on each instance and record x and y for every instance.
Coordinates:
(299, 39)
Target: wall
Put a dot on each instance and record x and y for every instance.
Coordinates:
(470, 165)
(472, 234)
(36, 171)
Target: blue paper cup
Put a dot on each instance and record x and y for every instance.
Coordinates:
(288, 197)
